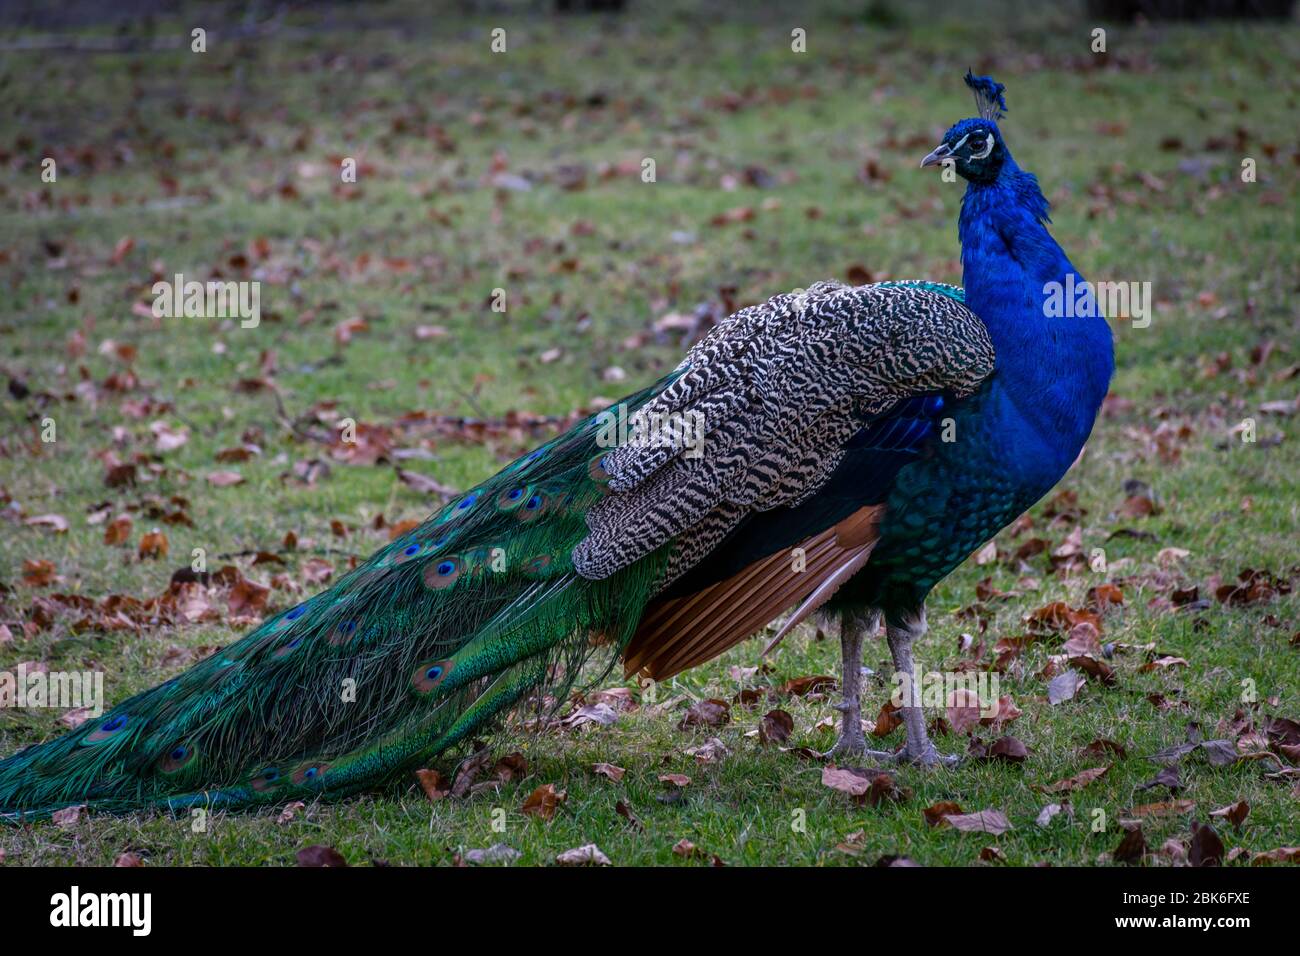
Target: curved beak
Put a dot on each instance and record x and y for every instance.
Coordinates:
(937, 155)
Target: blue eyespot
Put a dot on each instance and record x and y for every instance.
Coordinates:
(114, 723)
(515, 494)
(446, 567)
(347, 627)
(604, 462)
(310, 772)
(297, 612)
(413, 549)
(535, 455)
(178, 753)
(533, 503)
(271, 774)
(467, 502)
(295, 642)
(433, 673)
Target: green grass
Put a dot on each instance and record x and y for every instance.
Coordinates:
(706, 94)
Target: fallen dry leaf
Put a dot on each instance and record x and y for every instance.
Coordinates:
(434, 784)
(588, 855)
(317, 855)
(775, 727)
(609, 771)
(984, 821)
(56, 523)
(1080, 779)
(544, 801)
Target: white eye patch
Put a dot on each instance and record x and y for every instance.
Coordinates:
(988, 148)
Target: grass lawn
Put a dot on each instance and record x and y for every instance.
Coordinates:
(522, 171)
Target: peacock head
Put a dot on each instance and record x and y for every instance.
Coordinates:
(975, 145)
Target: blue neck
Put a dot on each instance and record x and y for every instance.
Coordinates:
(1056, 369)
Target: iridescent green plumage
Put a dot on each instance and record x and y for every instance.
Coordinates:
(407, 655)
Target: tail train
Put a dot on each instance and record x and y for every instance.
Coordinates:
(408, 654)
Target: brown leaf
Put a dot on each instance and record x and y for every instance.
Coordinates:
(317, 570)
(1283, 854)
(706, 713)
(888, 720)
(544, 801)
(865, 785)
(56, 523)
(588, 855)
(1101, 746)
(802, 686)
(317, 855)
(609, 770)
(68, 817)
(224, 479)
(625, 811)
(1009, 749)
(1080, 779)
(128, 859)
(513, 766)
(289, 812)
(38, 573)
(425, 485)
(246, 598)
(153, 544)
(1132, 846)
(935, 813)
(434, 784)
(983, 821)
(1064, 686)
(775, 727)
(1164, 808)
(962, 709)
(1234, 813)
(1206, 848)
(118, 531)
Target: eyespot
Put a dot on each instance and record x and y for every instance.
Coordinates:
(343, 633)
(407, 553)
(597, 470)
(512, 498)
(467, 502)
(296, 613)
(176, 758)
(268, 778)
(430, 674)
(288, 648)
(309, 774)
(442, 574)
(107, 729)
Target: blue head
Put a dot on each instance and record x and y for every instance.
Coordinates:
(975, 145)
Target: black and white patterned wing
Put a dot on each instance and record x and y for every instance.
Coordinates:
(759, 416)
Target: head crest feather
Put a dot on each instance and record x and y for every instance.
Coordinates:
(990, 102)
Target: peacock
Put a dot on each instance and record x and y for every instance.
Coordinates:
(835, 449)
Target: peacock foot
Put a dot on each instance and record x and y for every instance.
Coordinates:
(855, 745)
(930, 757)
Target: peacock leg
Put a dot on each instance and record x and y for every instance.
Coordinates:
(853, 741)
(919, 749)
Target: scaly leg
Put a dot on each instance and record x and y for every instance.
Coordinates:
(853, 741)
(919, 749)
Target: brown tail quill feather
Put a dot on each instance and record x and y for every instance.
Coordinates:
(679, 633)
